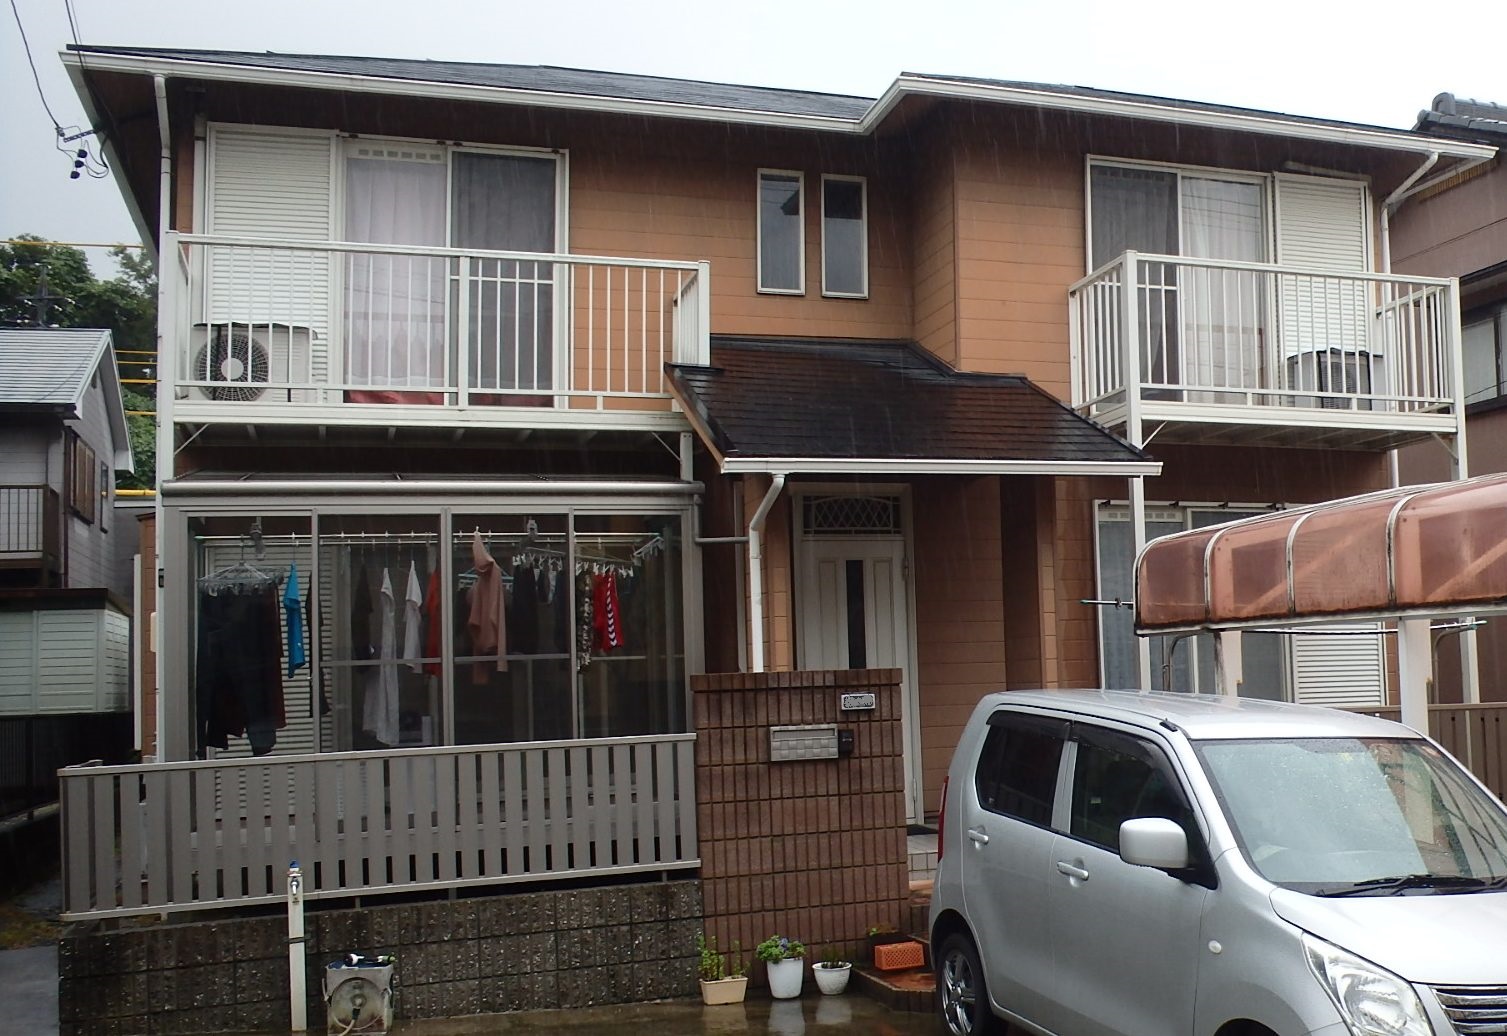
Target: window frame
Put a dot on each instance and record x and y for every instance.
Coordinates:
(1051, 727)
(800, 258)
(1494, 316)
(83, 489)
(1135, 747)
(863, 221)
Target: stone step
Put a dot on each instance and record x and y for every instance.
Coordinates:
(913, 990)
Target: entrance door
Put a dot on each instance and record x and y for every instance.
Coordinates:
(853, 613)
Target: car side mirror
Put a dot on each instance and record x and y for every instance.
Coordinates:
(1154, 842)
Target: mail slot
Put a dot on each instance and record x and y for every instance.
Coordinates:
(813, 741)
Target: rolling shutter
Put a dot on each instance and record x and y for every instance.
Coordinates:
(1324, 323)
(1339, 670)
(278, 185)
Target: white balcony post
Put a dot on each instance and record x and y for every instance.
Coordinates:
(1229, 662)
(1075, 351)
(1415, 671)
(463, 334)
(703, 339)
(1130, 311)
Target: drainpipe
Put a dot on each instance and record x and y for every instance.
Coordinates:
(165, 311)
(756, 571)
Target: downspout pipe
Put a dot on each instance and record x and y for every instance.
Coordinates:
(756, 572)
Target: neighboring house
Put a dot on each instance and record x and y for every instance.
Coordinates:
(1459, 229)
(714, 379)
(64, 621)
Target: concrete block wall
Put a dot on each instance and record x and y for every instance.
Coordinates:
(815, 849)
(526, 951)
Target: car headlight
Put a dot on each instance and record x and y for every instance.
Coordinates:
(1371, 1000)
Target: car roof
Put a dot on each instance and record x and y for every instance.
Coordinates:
(1206, 716)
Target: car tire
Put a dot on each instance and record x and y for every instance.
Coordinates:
(962, 993)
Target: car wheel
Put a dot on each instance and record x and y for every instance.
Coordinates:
(962, 994)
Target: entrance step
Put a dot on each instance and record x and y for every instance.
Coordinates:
(920, 908)
(913, 990)
(921, 847)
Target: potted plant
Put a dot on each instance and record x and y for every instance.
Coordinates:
(724, 980)
(882, 934)
(832, 972)
(783, 959)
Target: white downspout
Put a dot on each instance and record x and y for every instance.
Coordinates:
(165, 379)
(1395, 199)
(756, 572)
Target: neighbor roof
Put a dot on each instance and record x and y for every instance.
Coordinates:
(880, 407)
(1464, 118)
(48, 369)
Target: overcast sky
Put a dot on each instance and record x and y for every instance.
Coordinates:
(1376, 63)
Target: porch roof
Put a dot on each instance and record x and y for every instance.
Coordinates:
(1416, 550)
(883, 407)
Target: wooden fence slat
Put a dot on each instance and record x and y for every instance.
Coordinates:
(207, 852)
(182, 877)
(306, 836)
(155, 864)
(378, 839)
(131, 840)
(622, 794)
(354, 775)
(327, 796)
(446, 838)
(600, 793)
(643, 802)
(491, 813)
(579, 791)
(468, 812)
(557, 784)
(685, 755)
(279, 795)
(421, 771)
(514, 823)
(80, 892)
(535, 821)
(103, 812)
(664, 794)
(401, 790)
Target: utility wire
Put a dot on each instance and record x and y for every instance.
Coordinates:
(26, 45)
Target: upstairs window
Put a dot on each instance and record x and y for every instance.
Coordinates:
(1485, 335)
(782, 245)
(845, 237)
(83, 489)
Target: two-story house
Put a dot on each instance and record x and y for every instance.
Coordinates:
(64, 617)
(1459, 229)
(539, 392)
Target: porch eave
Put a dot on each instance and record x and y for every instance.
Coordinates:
(438, 417)
(1234, 425)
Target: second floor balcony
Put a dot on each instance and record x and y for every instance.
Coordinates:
(1215, 351)
(294, 332)
(31, 531)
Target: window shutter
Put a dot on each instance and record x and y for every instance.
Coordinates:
(263, 183)
(1339, 670)
(1322, 224)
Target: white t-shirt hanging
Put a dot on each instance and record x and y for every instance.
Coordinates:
(413, 621)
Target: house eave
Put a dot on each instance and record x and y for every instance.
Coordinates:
(934, 466)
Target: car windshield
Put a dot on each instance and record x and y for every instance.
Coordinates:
(1342, 816)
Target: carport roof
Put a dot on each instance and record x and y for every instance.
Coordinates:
(883, 408)
(1416, 550)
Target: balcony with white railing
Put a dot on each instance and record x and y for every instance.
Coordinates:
(1246, 353)
(290, 332)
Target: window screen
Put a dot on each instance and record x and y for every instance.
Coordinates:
(1017, 770)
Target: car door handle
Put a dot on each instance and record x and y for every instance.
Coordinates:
(979, 835)
(1063, 867)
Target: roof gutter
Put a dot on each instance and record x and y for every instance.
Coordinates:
(944, 466)
(417, 487)
(756, 573)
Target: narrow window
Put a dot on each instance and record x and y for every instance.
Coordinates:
(845, 237)
(781, 232)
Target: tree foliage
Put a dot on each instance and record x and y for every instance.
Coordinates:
(125, 304)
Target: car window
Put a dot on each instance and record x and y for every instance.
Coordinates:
(1118, 778)
(1017, 769)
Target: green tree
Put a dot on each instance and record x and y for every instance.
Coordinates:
(126, 304)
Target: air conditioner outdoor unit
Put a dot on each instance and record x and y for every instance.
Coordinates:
(241, 360)
(1328, 372)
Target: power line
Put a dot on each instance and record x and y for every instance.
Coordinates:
(26, 45)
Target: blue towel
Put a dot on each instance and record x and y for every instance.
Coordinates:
(293, 609)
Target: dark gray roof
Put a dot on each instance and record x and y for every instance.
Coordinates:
(1463, 118)
(1094, 93)
(48, 366)
(859, 400)
(540, 78)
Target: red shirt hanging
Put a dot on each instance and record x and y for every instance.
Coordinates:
(607, 617)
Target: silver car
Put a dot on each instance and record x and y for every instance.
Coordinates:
(1140, 864)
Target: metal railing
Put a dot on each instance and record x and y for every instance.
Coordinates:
(335, 323)
(1205, 331)
(30, 526)
(200, 835)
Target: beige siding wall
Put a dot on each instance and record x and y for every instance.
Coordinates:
(936, 254)
(1454, 232)
(959, 588)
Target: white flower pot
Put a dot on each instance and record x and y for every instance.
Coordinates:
(724, 990)
(786, 977)
(833, 978)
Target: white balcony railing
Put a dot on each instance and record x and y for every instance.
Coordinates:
(199, 835)
(312, 324)
(1178, 333)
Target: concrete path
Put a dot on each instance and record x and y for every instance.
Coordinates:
(29, 986)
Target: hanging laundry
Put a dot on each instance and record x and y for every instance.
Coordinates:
(361, 614)
(523, 613)
(607, 618)
(293, 615)
(585, 631)
(433, 630)
(487, 622)
(413, 632)
(379, 712)
(238, 676)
